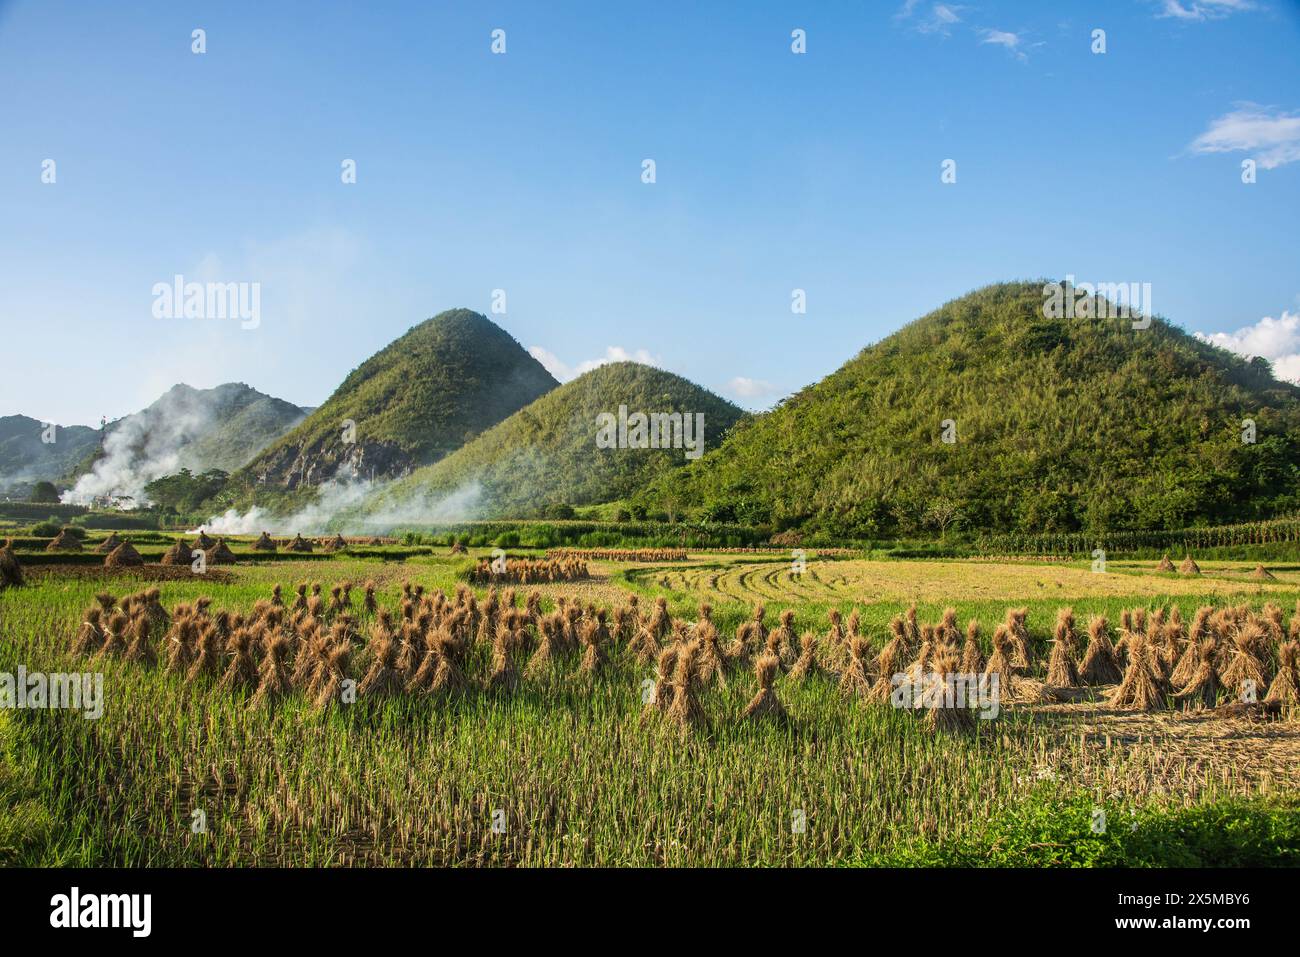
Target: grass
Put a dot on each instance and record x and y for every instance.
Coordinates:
(572, 774)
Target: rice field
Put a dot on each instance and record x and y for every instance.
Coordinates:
(572, 770)
(827, 581)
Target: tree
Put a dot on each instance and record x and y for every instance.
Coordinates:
(45, 493)
(941, 513)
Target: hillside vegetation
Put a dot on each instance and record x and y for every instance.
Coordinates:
(547, 455)
(419, 398)
(1059, 424)
(26, 459)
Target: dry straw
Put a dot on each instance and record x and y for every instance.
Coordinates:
(1062, 671)
(124, 556)
(1285, 688)
(765, 703)
(972, 658)
(178, 554)
(1100, 663)
(1139, 689)
(65, 541)
(11, 573)
(806, 664)
(108, 544)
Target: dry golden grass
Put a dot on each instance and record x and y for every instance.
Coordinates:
(719, 579)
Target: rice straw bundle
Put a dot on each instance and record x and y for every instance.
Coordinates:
(765, 703)
(1139, 689)
(972, 658)
(1100, 663)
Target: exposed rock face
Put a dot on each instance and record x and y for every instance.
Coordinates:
(322, 460)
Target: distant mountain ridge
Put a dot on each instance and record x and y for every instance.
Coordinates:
(25, 458)
(196, 429)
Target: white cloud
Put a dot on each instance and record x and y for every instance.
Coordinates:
(1011, 41)
(1273, 136)
(1277, 340)
(1203, 9)
(906, 10)
(940, 18)
(748, 388)
(564, 372)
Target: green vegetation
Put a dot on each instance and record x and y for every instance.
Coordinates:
(218, 428)
(26, 458)
(45, 493)
(419, 398)
(580, 776)
(544, 459)
(184, 492)
(1060, 426)
(1048, 831)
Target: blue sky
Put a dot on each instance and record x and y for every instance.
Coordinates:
(479, 171)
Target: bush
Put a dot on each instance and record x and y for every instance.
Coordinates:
(46, 529)
(559, 511)
(45, 493)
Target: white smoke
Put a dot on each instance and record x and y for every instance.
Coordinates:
(139, 449)
(336, 508)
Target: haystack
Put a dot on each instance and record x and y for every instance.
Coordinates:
(1202, 689)
(1022, 654)
(1100, 663)
(943, 711)
(1165, 565)
(123, 556)
(11, 573)
(710, 659)
(264, 544)
(139, 648)
(1262, 574)
(300, 544)
(1139, 690)
(220, 554)
(685, 708)
(661, 695)
(273, 673)
(765, 703)
(855, 679)
(203, 542)
(337, 543)
(1000, 661)
(1246, 659)
(108, 544)
(972, 658)
(1062, 672)
(806, 664)
(505, 676)
(64, 542)
(1189, 567)
(178, 554)
(1285, 688)
(89, 636)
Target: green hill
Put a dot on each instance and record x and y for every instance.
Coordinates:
(25, 459)
(199, 429)
(424, 395)
(547, 454)
(1059, 424)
